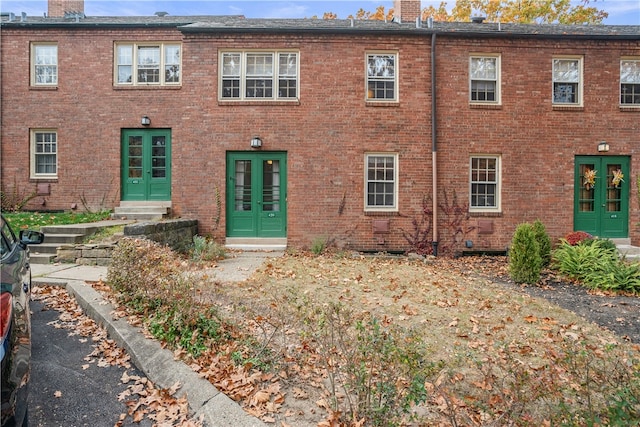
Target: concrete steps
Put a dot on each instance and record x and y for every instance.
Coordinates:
(59, 235)
(257, 244)
(627, 251)
(142, 211)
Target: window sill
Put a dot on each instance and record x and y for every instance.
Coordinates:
(252, 102)
(477, 106)
(630, 108)
(372, 103)
(381, 213)
(43, 179)
(485, 214)
(147, 87)
(45, 88)
(567, 107)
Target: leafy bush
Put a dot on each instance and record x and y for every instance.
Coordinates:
(150, 281)
(544, 242)
(577, 261)
(525, 263)
(596, 264)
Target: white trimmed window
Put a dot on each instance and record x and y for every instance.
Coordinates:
(567, 81)
(382, 76)
(44, 153)
(148, 64)
(258, 75)
(630, 82)
(484, 180)
(381, 182)
(44, 68)
(484, 79)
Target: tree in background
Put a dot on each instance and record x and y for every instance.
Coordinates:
(516, 11)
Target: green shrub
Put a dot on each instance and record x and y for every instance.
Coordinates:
(525, 263)
(206, 250)
(319, 245)
(596, 264)
(578, 261)
(544, 242)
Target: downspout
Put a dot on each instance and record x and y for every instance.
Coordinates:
(434, 146)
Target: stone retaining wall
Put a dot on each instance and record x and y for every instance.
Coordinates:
(177, 234)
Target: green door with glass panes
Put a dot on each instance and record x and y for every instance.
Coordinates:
(601, 205)
(146, 164)
(256, 194)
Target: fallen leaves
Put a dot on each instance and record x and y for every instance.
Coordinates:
(142, 398)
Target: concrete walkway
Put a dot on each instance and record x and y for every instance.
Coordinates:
(158, 364)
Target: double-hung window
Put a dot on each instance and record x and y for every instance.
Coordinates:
(484, 81)
(44, 154)
(382, 76)
(44, 60)
(381, 182)
(147, 64)
(484, 191)
(259, 75)
(630, 82)
(567, 81)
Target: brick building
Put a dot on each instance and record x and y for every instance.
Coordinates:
(280, 132)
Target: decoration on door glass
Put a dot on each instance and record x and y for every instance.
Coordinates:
(617, 178)
(590, 178)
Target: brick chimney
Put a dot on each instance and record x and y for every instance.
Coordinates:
(407, 10)
(60, 8)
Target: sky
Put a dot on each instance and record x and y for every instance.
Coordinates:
(621, 12)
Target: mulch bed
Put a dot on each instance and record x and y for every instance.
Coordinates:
(619, 314)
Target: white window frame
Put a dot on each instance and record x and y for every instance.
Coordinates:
(367, 180)
(561, 75)
(246, 68)
(497, 182)
(166, 66)
(485, 76)
(379, 75)
(48, 64)
(50, 148)
(630, 75)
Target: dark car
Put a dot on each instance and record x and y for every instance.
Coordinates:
(15, 321)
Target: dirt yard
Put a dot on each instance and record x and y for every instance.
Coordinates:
(497, 353)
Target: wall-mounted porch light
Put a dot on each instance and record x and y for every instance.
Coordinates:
(145, 121)
(603, 147)
(256, 142)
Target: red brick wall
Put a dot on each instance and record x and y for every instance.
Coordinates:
(536, 142)
(328, 133)
(326, 136)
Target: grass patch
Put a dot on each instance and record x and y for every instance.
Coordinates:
(35, 220)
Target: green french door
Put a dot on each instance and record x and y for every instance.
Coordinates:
(256, 194)
(146, 164)
(601, 201)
